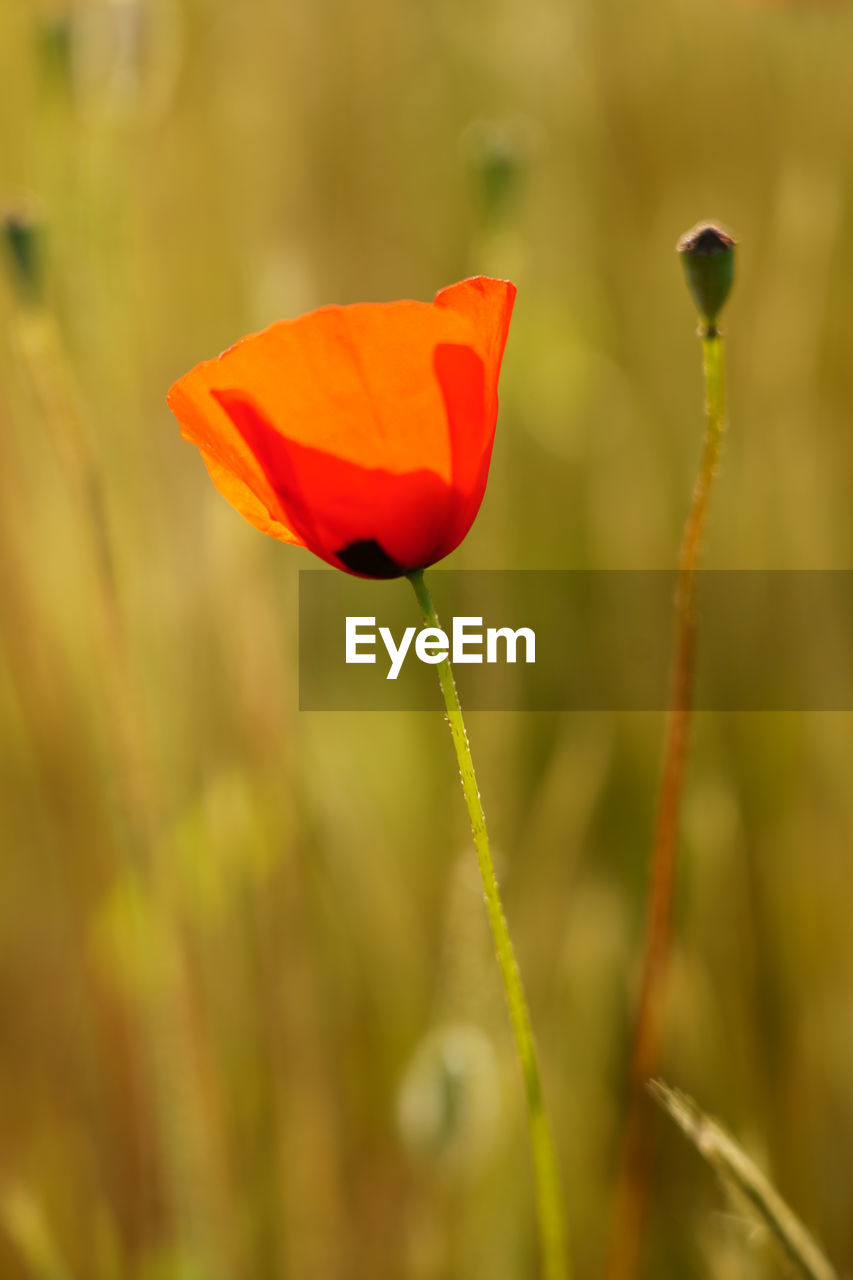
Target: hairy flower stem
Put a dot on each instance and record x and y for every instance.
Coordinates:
(636, 1163)
(548, 1195)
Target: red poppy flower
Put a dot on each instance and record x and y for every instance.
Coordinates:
(363, 433)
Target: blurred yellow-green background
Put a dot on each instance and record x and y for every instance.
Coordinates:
(250, 1024)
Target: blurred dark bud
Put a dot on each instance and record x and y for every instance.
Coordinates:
(496, 154)
(23, 235)
(116, 58)
(54, 42)
(708, 257)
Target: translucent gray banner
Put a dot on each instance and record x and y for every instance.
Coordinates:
(602, 640)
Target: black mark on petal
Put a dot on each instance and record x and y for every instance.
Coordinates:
(367, 557)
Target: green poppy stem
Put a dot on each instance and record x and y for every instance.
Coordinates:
(548, 1194)
(636, 1165)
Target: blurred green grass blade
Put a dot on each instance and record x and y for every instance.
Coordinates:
(745, 1181)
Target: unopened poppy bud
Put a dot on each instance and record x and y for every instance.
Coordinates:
(708, 257)
(496, 154)
(55, 41)
(23, 234)
(448, 1108)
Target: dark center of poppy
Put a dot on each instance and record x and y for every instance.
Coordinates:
(368, 557)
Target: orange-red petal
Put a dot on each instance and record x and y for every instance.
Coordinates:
(332, 503)
(487, 304)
